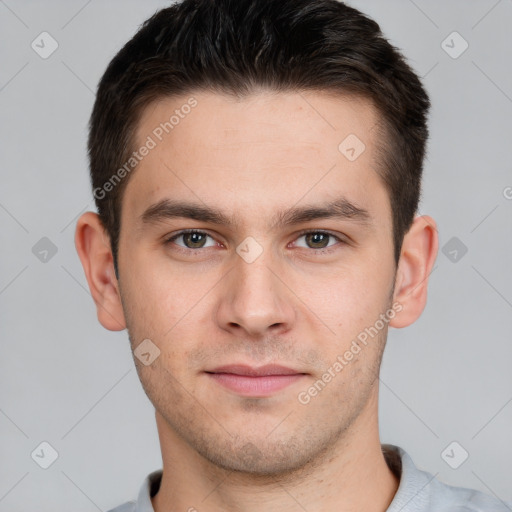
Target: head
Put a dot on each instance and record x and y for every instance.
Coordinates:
(291, 136)
(236, 48)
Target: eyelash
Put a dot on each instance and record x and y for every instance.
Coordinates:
(326, 250)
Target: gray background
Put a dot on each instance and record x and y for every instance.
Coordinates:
(67, 381)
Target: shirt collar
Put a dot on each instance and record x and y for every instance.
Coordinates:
(147, 491)
(412, 481)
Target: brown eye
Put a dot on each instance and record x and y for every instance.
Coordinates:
(317, 240)
(194, 240)
(191, 240)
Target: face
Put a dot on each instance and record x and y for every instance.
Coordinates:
(289, 262)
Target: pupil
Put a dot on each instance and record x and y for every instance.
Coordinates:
(319, 238)
(195, 239)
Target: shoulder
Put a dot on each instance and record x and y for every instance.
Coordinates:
(461, 499)
(447, 498)
(420, 491)
(129, 506)
(148, 489)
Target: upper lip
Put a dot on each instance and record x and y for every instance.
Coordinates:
(251, 371)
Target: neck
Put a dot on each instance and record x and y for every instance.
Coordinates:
(352, 476)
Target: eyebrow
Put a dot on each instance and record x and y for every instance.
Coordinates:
(340, 208)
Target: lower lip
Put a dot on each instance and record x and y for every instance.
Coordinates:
(255, 386)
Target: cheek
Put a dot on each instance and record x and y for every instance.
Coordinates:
(147, 299)
(351, 300)
(168, 307)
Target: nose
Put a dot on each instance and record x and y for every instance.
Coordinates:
(255, 300)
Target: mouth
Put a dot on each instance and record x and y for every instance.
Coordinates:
(256, 382)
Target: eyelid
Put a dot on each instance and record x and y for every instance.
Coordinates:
(327, 249)
(171, 238)
(321, 231)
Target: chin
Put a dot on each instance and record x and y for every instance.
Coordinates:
(260, 458)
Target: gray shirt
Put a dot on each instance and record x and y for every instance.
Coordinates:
(418, 491)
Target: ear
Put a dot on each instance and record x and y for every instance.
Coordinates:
(93, 247)
(417, 257)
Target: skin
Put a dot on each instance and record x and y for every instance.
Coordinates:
(294, 305)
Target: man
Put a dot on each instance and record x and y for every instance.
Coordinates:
(257, 166)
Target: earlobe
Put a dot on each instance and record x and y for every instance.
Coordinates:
(93, 247)
(417, 257)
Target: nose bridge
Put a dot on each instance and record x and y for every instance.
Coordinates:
(254, 279)
(254, 298)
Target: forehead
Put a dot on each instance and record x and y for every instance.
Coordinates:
(256, 154)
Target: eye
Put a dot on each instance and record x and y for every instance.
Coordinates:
(318, 240)
(192, 239)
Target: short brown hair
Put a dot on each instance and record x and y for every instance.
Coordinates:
(236, 46)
